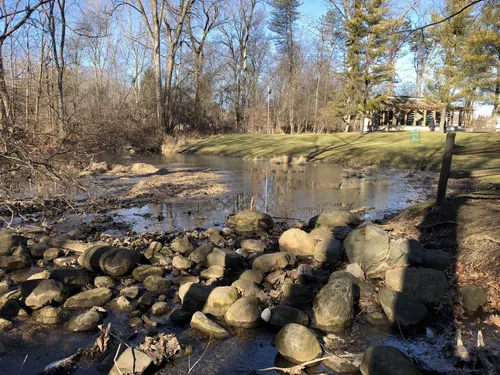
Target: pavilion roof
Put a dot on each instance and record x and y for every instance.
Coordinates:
(410, 104)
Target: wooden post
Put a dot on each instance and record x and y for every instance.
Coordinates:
(445, 168)
(405, 118)
(424, 123)
(415, 117)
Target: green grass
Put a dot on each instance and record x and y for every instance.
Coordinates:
(381, 149)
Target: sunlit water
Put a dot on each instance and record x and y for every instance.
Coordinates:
(286, 192)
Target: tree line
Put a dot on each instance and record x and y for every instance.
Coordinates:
(82, 77)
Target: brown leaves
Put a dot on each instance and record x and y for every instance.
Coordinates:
(161, 348)
(494, 319)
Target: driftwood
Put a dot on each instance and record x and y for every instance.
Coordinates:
(76, 246)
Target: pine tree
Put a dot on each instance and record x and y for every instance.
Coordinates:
(284, 17)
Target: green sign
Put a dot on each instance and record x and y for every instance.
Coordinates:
(415, 136)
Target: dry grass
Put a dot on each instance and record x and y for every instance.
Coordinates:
(173, 145)
(280, 159)
(301, 160)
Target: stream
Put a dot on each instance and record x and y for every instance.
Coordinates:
(286, 192)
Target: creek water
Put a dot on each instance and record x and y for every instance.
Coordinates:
(287, 192)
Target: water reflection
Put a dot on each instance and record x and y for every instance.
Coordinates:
(290, 192)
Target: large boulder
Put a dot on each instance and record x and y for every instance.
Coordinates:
(47, 292)
(401, 309)
(428, 285)
(88, 321)
(224, 258)
(282, 315)
(297, 242)
(333, 306)
(194, 296)
(334, 218)
(474, 297)
(436, 259)
(360, 287)
(250, 220)
(88, 299)
(200, 322)
(244, 313)
(220, 300)
(297, 343)
(376, 252)
(328, 250)
(386, 360)
(271, 262)
(142, 272)
(113, 261)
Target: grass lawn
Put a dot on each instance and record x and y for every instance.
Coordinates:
(381, 149)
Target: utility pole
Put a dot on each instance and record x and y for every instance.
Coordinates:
(268, 106)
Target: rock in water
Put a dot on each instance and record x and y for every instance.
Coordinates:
(333, 306)
(88, 321)
(220, 300)
(46, 293)
(474, 297)
(50, 315)
(249, 220)
(271, 262)
(402, 309)
(132, 361)
(297, 242)
(428, 285)
(244, 313)
(335, 218)
(113, 261)
(386, 360)
(200, 322)
(297, 343)
(88, 299)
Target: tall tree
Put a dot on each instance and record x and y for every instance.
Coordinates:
(284, 17)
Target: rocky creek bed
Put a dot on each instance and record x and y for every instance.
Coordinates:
(255, 295)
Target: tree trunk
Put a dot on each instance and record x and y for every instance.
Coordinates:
(4, 95)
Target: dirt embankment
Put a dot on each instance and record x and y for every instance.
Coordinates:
(467, 226)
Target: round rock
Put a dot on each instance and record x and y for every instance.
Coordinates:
(297, 343)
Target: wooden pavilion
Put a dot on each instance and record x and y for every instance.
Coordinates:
(401, 111)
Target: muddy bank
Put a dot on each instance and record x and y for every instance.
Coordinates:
(245, 290)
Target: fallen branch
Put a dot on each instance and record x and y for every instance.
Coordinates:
(190, 368)
(297, 369)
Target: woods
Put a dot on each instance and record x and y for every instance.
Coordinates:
(78, 79)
